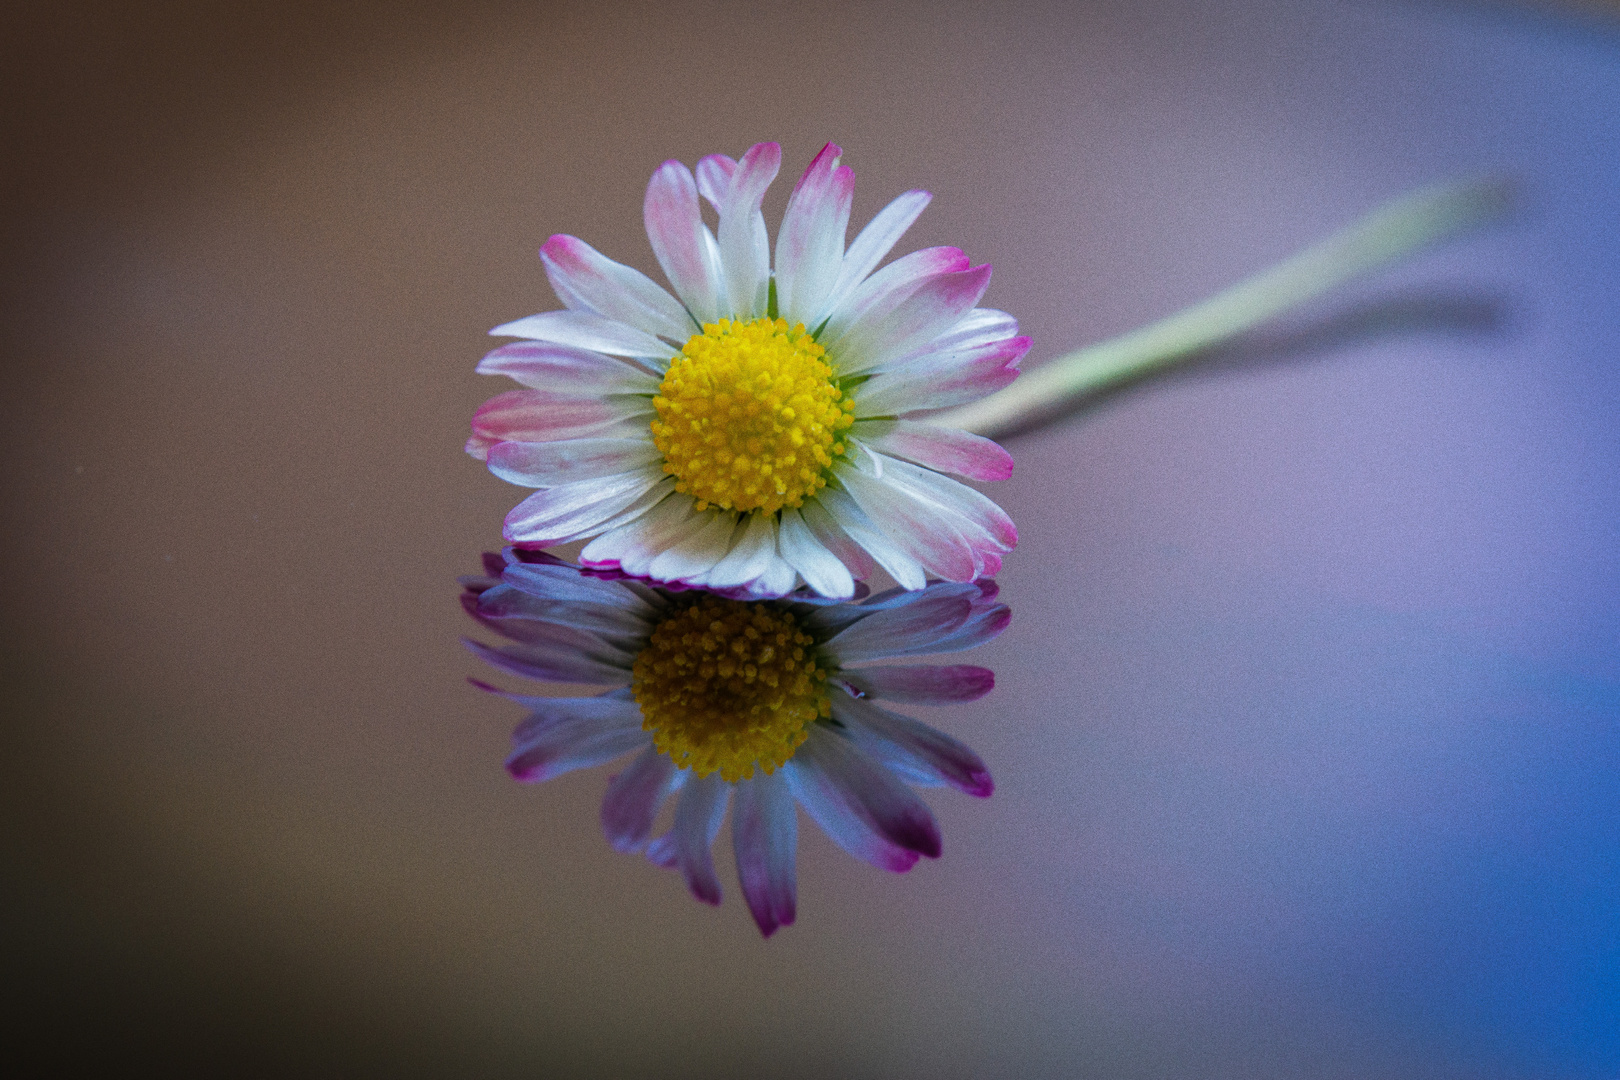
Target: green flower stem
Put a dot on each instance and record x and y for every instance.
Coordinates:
(1386, 235)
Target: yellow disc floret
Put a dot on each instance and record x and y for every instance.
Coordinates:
(749, 416)
(729, 686)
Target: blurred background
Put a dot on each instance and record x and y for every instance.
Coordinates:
(1308, 724)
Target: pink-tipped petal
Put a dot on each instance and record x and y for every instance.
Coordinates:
(714, 175)
(922, 684)
(562, 583)
(698, 815)
(765, 839)
(614, 709)
(860, 804)
(810, 245)
(552, 464)
(564, 369)
(649, 501)
(978, 327)
(870, 246)
(629, 618)
(961, 500)
(560, 514)
(586, 330)
(819, 518)
(683, 245)
(984, 625)
(573, 734)
(548, 659)
(944, 449)
(939, 380)
(907, 630)
(537, 416)
(879, 295)
(884, 335)
(744, 246)
(911, 749)
(918, 527)
(634, 798)
(586, 280)
(875, 541)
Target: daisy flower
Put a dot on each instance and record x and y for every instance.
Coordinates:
(756, 702)
(758, 427)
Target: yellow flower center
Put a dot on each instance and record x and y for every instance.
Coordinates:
(726, 685)
(749, 415)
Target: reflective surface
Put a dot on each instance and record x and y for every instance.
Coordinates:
(1306, 728)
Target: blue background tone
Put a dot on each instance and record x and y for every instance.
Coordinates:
(1307, 730)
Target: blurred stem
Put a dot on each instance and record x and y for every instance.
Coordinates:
(1388, 234)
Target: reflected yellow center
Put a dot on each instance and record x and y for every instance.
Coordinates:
(729, 686)
(749, 416)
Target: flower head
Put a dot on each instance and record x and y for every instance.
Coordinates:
(757, 700)
(761, 427)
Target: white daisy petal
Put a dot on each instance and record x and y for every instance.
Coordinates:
(752, 552)
(810, 246)
(697, 554)
(853, 520)
(634, 545)
(698, 816)
(832, 536)
(819, 567)
(654, 495)
(634, 798)
(956, 497)
(682, 243)
(916, 526)
(938, 380)
(777, 580)
(541, 416)
(560, 514)
(936, 304)
(587, 330)
(765, 839)
(978, 327)
(744, 247)
(874, 242)
(943, 449)
(885, 290)
(911, 749)
(551, 464)
(580, 372)
(586, 280)
(714, 175)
